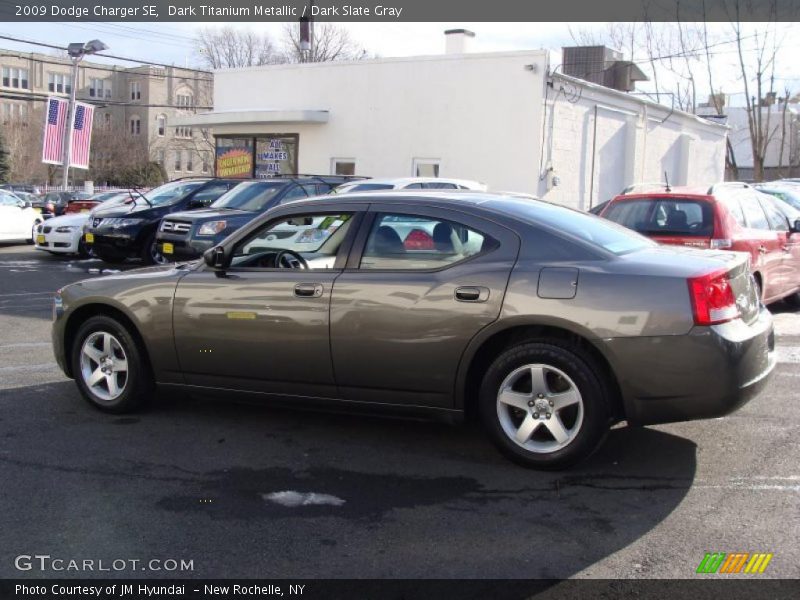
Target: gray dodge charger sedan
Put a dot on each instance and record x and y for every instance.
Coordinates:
(548, 324)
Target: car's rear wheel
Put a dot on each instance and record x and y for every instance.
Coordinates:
(793, 300)
(544, 405)
(150, 254)
(109, 366)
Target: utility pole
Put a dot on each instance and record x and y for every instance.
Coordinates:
(307, 35)
(76, 53)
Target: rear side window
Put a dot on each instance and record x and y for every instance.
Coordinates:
(775, 218)
(684, 217)
(733, 206)
(406, 242)
(753, 213)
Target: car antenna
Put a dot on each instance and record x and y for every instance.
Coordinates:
(666, 181)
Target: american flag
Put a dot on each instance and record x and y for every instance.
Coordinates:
(81, 135)
(53, 146)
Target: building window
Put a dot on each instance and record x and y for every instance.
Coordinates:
(15, 78)
(107, 119)
(183, 132)
(161, 158)
(178, 159)
(162, 125)
(189, 159)
(343, 166)
(14, 112)
(99, 88)
(59, 83)
(136, 126)
(184, 101)
(426, 167)
(136, 90)
(206, 163)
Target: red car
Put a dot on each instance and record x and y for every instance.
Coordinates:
(86, 204)
(726, 216)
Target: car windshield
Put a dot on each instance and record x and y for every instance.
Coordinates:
(790, 197)
(254, 196)
(171, 192)
(595, 230)
(7, 199)
(684, 217)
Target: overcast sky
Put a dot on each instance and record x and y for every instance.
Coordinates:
(172, 42)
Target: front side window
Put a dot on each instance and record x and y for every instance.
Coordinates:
(301, 242)
(407, 242)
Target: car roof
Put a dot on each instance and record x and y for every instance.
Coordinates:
(409, 180)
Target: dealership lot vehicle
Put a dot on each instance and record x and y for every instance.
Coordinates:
(128, 230)
(411, 183)
(537, 317)
(87, 204)
(726, 216)
(788, 193)
(186, 235)
(63, 235)
(60, 200)
(18, 219)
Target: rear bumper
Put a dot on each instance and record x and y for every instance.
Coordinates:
(709, 372)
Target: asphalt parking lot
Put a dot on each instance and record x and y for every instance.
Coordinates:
(192, 479)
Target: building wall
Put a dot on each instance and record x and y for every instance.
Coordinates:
(597, 141)
(479, 114)
(740, 138)
(159, 90)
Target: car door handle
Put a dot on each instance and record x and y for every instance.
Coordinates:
(762, 249)
(472, 294)
(786, 248)
(308, 290)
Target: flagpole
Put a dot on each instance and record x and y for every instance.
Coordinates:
(70, 117)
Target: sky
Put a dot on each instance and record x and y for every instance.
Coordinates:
(172, 43)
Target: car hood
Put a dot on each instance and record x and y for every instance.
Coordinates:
(139, 210)
(74, 219)
(208, 214)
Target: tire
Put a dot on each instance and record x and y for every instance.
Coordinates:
(113, 259)
(133, 383)
(532, 411)
(33, 232)
(84, 249)
(793, 300)
(150, 254)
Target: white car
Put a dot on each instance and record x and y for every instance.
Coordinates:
(18, 221)
(63, 235)
(410, 183)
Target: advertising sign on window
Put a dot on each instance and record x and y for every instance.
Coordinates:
(234, 157)
(276, 155)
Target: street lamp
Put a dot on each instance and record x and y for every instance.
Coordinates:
(76, 52)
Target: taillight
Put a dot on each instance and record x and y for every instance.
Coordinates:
(721, 244)
(712, 298)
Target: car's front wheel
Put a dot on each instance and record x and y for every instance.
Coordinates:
(544, 405)
(109, 366)
(151, 255)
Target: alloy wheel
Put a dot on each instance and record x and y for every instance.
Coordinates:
(540, 408)
(104, 365)
(156, 256)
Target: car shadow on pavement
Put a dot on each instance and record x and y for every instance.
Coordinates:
(252, 491)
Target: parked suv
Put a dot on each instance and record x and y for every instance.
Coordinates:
(186, 235)
(128, 230)
(725, 216)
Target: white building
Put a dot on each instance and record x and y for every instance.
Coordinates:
(496, 118)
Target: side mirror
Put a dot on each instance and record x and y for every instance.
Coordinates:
(28, 204)
(796, 226)
(216, 258)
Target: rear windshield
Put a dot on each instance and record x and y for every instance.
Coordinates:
(790, 197)
(171, 192)
(664, 216)
(254, 196)
(368, 187)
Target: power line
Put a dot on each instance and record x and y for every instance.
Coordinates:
(112, 56)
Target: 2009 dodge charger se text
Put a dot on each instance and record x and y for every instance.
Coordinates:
(550, 324)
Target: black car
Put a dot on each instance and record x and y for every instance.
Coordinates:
(185, 236)
(128, 230)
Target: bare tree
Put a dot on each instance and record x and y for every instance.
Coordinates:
(229, 47)
(758, 71)
(23, 139)
(331, 42)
